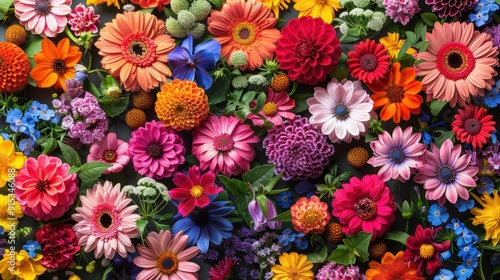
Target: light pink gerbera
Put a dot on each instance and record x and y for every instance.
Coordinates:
(105, 223)
(224, 144)
(166, 257)
(276, 107)
(341, 111)
(44, 187)
(110, 150)
(398, 154)
(46, 18)
(445, 174)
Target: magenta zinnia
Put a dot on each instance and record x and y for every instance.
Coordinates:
(364, 205)
(110, 150)
(105, 223)
(472, 125)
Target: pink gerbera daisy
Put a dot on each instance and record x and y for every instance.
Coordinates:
(276, 107)
(224, 144)
(398, 154)
(166, 257)
(46, 18)
(222, 269)
(110, 150)
(193, 189)
(445, 174)
(105, 223)
(364, 205)
(473, 125)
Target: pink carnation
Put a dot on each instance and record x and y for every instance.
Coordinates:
(83, 19)
(401, 10)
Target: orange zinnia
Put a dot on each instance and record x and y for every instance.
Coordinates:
(392, 267)
(397, 93)
(54, 64)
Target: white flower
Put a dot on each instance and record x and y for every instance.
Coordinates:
(361, 3)
(375, 24)
(380, 16)
(149, 192)
(344, 15)
(138, 190)
(344, 28)
(128, 189)
(368, 13)
(356, 12)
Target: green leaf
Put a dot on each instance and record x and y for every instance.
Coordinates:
(404, 48)
(217, 3)
(218, 91)
(169, 13)
(361, 241)
(141, 225)
(4, 7)
(261, 174)
(262, 200)
(70, 155)
(48, 145)
(340, 72)
(412, 37)
(276, 191)
(342, 255)
(436, 106)
(114, 106)
(346, 38)
(242, 207)
(92, 88)
(496, 270)
(161, 226)
(248, 97)
(107, 271)
(91, 171)
(144, 11)
(398, 236)
(73, 169)
(261, 100)
(273, 182)
(421, 30)
(445, 135)
(429, 18)
(33, 47)
(300, 101)
(318, 257)
(236, 187)
(283, 217)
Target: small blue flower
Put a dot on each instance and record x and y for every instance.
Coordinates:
(468, 251)
(55, 119)
(466, 237)
(464, 205)
(284, 199)
(44, 113)
(444, 274)
(301, 241)
(33, 106)
(16, 120)
(426, 138)
(32, 246)
(286, 238)
(32, 132)
(5, 136)
(485, 184)
(445, 255)
(27, 146)
(480, 18)
(437, 215)
(492, 97)
(457, 226)
(306, 187)
(462, 273)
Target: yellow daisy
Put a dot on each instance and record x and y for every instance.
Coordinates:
(324, 9)
(9, 208)
(108, 2)
(276, 6)
(10, 161)
(393, 44)
(25, 268)
(293, 267)
(489, 216)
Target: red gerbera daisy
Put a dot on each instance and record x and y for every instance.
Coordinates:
(222, 270)
(473, 126)
(368, 62)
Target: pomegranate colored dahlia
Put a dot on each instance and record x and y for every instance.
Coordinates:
(451, 8)
(308, 56)
(14, 68)
(310, 215)
(44, 187)
(369, 61)
(59, 244)
(472, 125)
(364, 205)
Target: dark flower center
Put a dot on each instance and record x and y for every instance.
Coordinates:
(42, 185)
(397, 155)
(199, 216)
(395, 93)
(446, 174)
(167, 263)
(473, 126)
(59, 66)
(105, 220)
(109, 156)
(155, 150)
(42, 7)
(455, 60)
(244, 33)
(307, 49)
(368, 62)
(366, 208)
(137, 48)
(223, 142)
(341, 111)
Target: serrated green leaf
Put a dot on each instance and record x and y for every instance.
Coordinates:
(70, 155)
(342, 255)
(91, 171)
(429, 18)
(300, 101)
(261, 174)
(398, 236)
(262, 200)
(236, 187)
(361, 241)
(437, 106)
(283, 217)
(114, 106)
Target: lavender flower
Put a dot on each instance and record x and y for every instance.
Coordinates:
(494, 32)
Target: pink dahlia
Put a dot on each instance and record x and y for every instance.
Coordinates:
(224, 144)
(401, 11)
(364, 205)
(105, 223)
(450, 8)
(46, 18)
(59, 244)
(110, 150)
(277, 106)
(397, 155)
(156, 151)
(445, 174)
(44, 187)
(298, 149)
(308, 56)
(83, 19)
(166, 257)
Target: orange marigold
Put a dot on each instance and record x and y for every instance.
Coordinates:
(14, 68)
(310, 215)
(54, 64)
(181, 105)
(393, 267)
(397, 93)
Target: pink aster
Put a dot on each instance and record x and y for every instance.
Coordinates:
(193, 189)
(276, 107)
(401, 10)
(166, 257)
(105, 222)
(156, 151)
(110, 150)
(397, 155)
(44, 187)
(83, 19)
(364, 205)
(445, 174)
(46, 18)
(225, 145)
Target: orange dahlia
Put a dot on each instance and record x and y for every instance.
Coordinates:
(247, 26)
(14, 68)
(134, 48)
(310, 215)
(397, 93)
(181, 105)
(54, 65)
(392, 267)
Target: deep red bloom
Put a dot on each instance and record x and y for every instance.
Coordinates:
(472, 125)
(421, 250)
(308, 56)
(222, 270)
(59, 244)
(369, 61)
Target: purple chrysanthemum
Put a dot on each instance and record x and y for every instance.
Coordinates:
(494, 32)
(298, 149)
(401, 11)
(332, 270)
(450, 8)
(156, 151)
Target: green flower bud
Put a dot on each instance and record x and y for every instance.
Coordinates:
(90, 268)
(105, 262)
(174, 28)
(85, 39)
(239, 82)
(218, 73)
(198, 30)
(179, 5)
(200, 9)
(375, 125)
(407, 210)
(186, 19)
(238, 58)
(258, 80)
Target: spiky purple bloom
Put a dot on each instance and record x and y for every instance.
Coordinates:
(401, 10)
(450, 8)
(334, 271)
(494, 32)
(298, 149)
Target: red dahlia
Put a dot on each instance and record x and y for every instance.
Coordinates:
(59, 244)
(368, 62)
(308, 56)
(473, 126)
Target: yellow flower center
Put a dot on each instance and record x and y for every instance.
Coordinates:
(311, 217)
(244, 33)
(270, 109)
(197, 191)
(3, 159)
(426, 251)
(293, 275)
(167, 263)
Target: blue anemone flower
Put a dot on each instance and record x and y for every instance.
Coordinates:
(193, 64)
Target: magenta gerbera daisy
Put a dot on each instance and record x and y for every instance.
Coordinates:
(110, 150)
(278, 105)
(369, 61)
(222, 270)
(445, 174)
(397, 155)
(105, 222)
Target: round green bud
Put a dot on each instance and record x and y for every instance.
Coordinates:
(198, 30)
(239, 82)
(375, 24)
(200, 9)
(186, 19)
(380, 16)
(179, 5)
(174, 28)
(238, 58)
(258, 80)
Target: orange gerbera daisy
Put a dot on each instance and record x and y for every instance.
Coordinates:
(14, 68)
(397, 93)
(181, 105)
(247, 26)
(54, 64)
(134, 48)
(392, 267)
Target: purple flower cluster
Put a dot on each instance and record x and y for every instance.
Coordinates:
(401, 10)
(334, 271)
(494, 32)
(298, 149)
